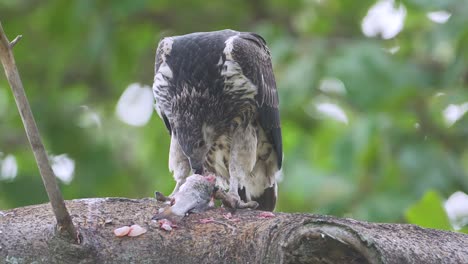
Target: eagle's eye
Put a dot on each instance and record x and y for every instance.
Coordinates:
(200, 144)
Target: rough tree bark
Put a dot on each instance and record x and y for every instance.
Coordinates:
(27, 235)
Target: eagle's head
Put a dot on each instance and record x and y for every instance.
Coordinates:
(193, 144)
(196, 128)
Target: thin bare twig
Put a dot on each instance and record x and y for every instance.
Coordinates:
(13, 42)
(64, 220)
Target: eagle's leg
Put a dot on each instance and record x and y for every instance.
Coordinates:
(241, 163)
(178, 164)
(233, 201)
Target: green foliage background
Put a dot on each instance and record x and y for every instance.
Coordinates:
(395, 147)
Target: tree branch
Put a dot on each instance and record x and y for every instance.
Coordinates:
(14, 41)
(245, 237)
(64, 221)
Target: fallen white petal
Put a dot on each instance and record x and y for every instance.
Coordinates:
(122, 231)
(165, 224)
(89, 118)
(333, 111)
(266, 215)
(456, 207)
(136, 230)
(135, 106)
(63, 167)
(8, 168)
(452, 113)
(166, 227)
(439, 17)
(332, 86)
(384, 19)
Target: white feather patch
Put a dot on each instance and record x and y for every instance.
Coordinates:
(229, 46)
(234, 79)
(163, 75)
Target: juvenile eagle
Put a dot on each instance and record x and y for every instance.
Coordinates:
(216, 93)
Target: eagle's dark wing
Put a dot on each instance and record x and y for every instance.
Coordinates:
(161, 54)
(251, 53)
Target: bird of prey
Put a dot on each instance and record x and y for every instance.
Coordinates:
(216, 93)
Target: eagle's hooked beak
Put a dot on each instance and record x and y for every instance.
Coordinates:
(197, 167)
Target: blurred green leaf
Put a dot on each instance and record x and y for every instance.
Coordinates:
(77, 57)
(464, 230)
(429, 212)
